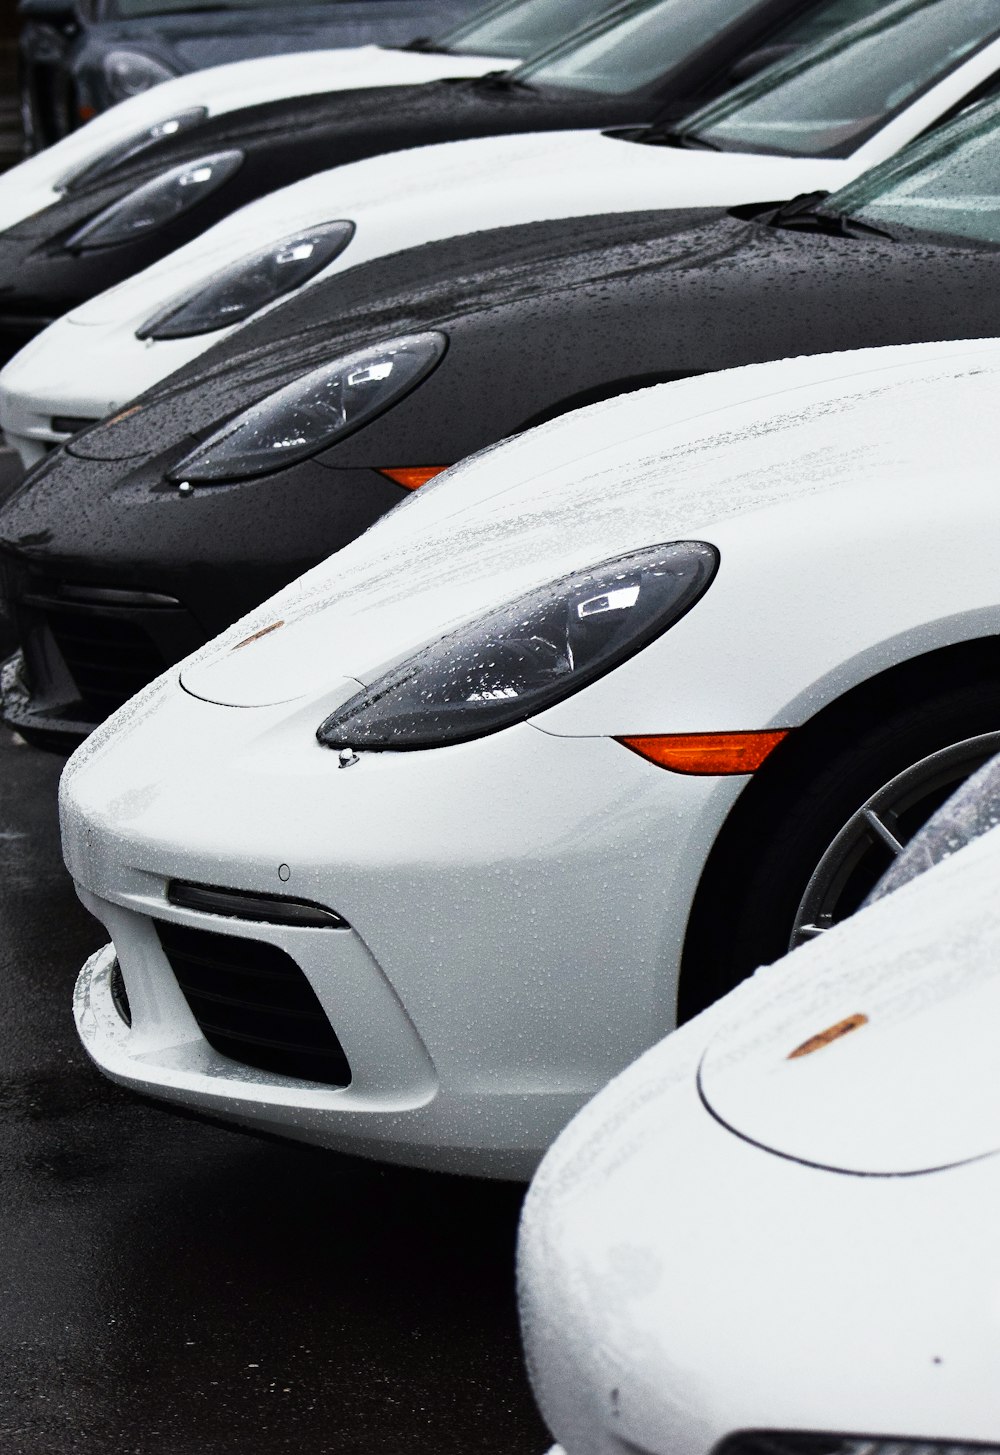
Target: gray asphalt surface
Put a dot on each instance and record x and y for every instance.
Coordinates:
(173, 1287)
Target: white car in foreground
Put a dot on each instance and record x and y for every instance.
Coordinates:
(776, 1233)
(776, 139)
(418, 855)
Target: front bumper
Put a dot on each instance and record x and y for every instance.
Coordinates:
(128, 585)
(19, 330)
(85, 650)
(75, 373)
(516, 906)
(55, 730)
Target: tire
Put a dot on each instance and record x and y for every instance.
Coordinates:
(810, 836)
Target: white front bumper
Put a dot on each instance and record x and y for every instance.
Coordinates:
(517, 909)
(80, 372)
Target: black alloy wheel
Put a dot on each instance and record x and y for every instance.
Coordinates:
(808, 842)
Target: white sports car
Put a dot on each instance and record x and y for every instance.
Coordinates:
(776, 1233)
(125, 129)
(816, 122)
(418, 855)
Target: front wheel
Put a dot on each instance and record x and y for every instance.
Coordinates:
(806, 846)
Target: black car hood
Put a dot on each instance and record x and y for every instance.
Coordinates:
(539, 320)
(429, 287)
(546, 316)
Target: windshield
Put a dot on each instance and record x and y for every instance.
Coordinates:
(522, 28)
(636, 45)
(947, 184)
(829, 99)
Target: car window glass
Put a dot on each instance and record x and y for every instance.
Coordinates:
(637, 47)
(947, 184)
(522, 29)
(824, 20)
(829, 99)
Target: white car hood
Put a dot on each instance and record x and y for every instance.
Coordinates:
(888, 1066)
(714, 1287)
(664, 464)
(33, 184)
(406, 198)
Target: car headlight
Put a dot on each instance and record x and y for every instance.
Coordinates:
(527, 655)
(156, 202)
(240, 290)
(313, 410)
(131, 147)
(126, 73)
(789, 1442)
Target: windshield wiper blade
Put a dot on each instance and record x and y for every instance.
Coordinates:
(694, 142)
(660, 136)
(501, 81)
(853, 225)
(425, 45)
(803, 214)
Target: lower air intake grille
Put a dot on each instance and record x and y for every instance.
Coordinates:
(254, 1005)
(108, 658)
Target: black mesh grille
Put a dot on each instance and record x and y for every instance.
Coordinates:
(253, 1004)
(109, 659)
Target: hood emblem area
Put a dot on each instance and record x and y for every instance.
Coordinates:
(827, 1037)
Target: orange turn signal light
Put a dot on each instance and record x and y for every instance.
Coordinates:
(411, 477)
(85, 112)
(707, 753)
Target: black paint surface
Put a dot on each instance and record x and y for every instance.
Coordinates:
(539, 319)
(171, 1288)
(284, 141)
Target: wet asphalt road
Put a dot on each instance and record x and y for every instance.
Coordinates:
(169, 1286)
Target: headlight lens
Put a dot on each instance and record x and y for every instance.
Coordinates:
(132, 146)
(156, 202)
(789, 1442)
(527, 655)
(313, 410)
(246, 286)
(126, 73)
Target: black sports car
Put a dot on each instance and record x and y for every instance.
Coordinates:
(152, 530)
(648, 59)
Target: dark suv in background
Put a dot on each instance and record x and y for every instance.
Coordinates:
(10, 121)
(78, 57)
